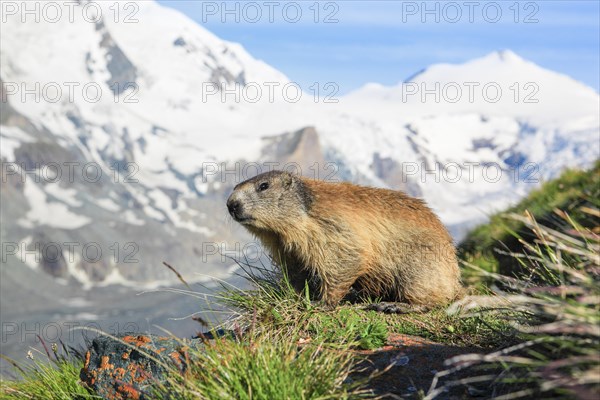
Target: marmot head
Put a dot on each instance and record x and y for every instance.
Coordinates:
(270, 201)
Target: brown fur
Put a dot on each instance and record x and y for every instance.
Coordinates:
(382, 243)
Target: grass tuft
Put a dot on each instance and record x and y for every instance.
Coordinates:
(558, 296)
(268, 368)
(52, 377)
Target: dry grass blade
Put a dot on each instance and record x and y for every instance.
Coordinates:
(559, 290)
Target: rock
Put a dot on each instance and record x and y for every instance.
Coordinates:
(414, 362)
(127, 367)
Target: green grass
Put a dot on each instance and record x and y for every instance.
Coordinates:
(52, 377)
(268, 368)
(274, 306)
(491, 246)
(489, 330)
(349, 327)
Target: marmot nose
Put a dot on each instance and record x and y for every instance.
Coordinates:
(234, 207)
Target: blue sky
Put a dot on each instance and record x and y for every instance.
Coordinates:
(356, 42)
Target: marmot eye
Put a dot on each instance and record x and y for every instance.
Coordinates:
(263, 186)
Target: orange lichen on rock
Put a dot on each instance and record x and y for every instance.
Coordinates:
(126, 367)
(86, 364)
(176, 357)
(119, 373)
(138, 373)
(128, 392)
(105, 364)
(139, 341)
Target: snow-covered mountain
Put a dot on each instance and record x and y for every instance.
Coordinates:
(150, 110)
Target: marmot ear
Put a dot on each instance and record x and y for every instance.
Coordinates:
(287, 179)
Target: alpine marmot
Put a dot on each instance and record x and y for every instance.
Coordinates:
(342, 238)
